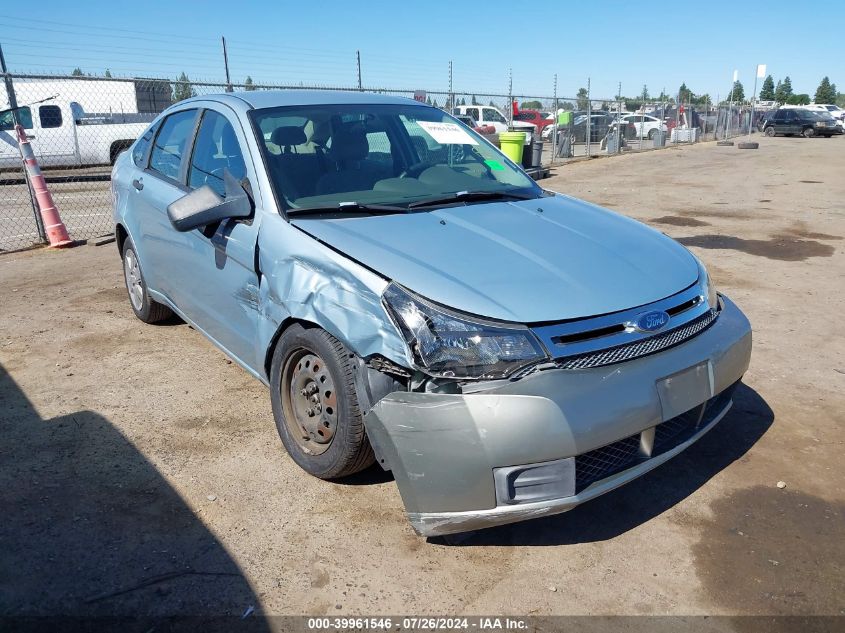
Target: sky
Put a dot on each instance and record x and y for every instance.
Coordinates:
(408, 45)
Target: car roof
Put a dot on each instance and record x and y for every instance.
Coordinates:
(274, 98)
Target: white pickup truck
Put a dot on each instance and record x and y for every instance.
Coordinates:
(488, 115)
(62, 134)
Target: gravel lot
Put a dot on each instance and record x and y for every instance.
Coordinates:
(133, 453)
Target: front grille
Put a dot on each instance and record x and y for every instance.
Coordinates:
(644, 347)
(613, 458)
(605, 461)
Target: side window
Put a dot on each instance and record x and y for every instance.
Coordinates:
(139, 151)
(473, 112)
(780, 115)
(169, 146)
(215, 151)
(50, 116)
(493, 115)
(7, 122)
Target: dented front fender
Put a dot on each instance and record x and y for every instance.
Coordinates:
(303, 279)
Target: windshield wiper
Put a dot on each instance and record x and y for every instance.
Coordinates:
(343, 207)
(471, 196)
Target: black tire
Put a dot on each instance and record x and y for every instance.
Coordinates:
(143, 306)
(652, 133)
(748, 145)
(348, 449)
(770, 131)
(808, 132)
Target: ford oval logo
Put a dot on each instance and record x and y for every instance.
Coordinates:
(651, 321)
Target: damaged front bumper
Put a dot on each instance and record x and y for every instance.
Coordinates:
(540, 445)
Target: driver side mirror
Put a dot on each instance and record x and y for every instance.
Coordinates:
(203, 206)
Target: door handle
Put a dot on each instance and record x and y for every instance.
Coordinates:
(138, 184)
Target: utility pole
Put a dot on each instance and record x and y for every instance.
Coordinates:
(226, 66)
(358, 56)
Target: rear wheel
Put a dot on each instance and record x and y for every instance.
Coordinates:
(809, 132)
(315, 404)
(143, 306)
(652, 133)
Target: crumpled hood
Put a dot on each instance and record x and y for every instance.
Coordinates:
(509, 261)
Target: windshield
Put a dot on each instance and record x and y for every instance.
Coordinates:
(325, 155)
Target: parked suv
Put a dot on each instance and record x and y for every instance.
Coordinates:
(796, 121)
(413, 299)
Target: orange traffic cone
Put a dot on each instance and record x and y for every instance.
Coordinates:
(53, 225)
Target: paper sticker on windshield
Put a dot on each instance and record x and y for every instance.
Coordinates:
(447, 133)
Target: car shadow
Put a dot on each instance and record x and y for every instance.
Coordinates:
(91, 530)
(643, 499)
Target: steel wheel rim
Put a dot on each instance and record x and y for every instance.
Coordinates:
(310, 408)
(134, 284)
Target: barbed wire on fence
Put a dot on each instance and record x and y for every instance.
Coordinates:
(80, 123)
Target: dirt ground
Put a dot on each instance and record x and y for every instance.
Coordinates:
(140, 471)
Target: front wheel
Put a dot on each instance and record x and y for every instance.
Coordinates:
(770, 131)
(143, 306)
(809, 132)
(315, 404)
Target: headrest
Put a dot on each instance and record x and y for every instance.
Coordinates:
(288, 135)
(321, 131)
(349, 143)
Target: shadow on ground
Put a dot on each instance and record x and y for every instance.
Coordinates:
(90, 528)
(641, 500)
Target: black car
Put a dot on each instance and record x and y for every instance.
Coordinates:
(792, 121)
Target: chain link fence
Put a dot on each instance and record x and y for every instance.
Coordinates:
(77, 126)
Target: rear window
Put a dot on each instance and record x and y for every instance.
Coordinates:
(50, 116)
(139, 151)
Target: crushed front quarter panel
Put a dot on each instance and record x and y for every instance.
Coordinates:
(442, 448)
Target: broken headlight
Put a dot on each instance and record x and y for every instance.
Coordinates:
(451, 345)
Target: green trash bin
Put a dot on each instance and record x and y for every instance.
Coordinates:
(512, 144)
(564, 119)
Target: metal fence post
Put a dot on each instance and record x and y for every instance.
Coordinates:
(510, 97)
(451, 99)
(554, 125)
(589, 121)
(13, 105)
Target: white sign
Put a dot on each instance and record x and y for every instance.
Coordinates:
(447, 133)
(761, 70)
(736, 75)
